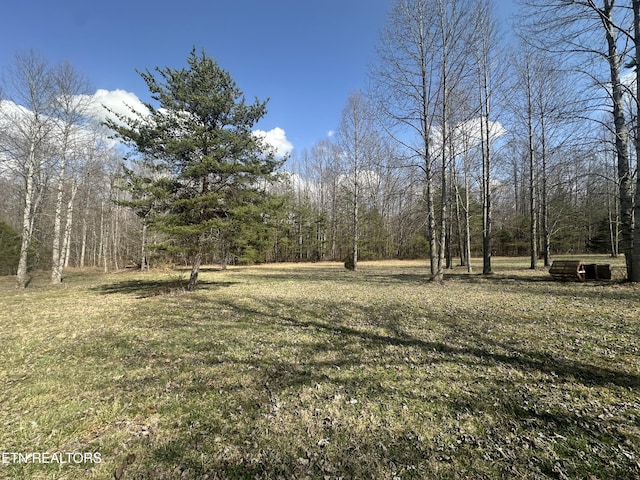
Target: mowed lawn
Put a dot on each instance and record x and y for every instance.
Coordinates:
(311, 371)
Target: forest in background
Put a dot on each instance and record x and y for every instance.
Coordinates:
(491, 146)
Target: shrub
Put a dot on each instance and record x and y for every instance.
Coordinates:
(349, 263)
(9, 249)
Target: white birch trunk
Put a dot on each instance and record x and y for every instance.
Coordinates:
(66, 244)
(56, 252)
(27, 220)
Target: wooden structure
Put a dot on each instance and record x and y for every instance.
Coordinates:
(577, 270)
(597, 271)
(567, 270)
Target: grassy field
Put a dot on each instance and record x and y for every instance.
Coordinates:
(311, 371)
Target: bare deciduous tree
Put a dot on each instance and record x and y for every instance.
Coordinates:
(635, 263)
(70, 109)
(423, 54)
(358, 142)
(28, 113)
(593, 39)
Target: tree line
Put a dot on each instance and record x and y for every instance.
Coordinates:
(484, 144)
(468, 141)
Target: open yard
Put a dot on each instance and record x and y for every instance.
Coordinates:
(311, 371)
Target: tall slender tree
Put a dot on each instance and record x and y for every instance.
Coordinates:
(593, 37)
(423, 54)
(27, 114)
(357, 139)
(404, 81)
(635, 263)
(485, 46)
(70, 113)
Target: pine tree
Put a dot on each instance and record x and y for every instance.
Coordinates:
(198, 150)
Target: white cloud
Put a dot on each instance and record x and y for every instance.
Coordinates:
(472, 128)
(118, 101)
(368, 180)
(277, 139)
(298, 183)
(122, 102)
(12, 113)
(15, 121)
(331, 133)
(467, 135)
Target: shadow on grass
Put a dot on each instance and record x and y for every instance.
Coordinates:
(528, 282)
(201, 270)
(483, 348)
(245, 378)
(468, 278)
(539, 282)
(152, 288)
(613, 290)
(498, 278)
(321, 349)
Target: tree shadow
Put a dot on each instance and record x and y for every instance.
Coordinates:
(612, 290)
(603, 289)
(292, 345)
(153, 288)
(496, 278)
(201, 269)
(327, 328)
(481, 347)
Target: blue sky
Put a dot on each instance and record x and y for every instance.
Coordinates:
(304, 55)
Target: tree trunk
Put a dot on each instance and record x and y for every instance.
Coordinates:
(426, 133)
(27, 220)
(486, 196)
(634, 274)
(102, 248)
(485, 111)
(56, 254)
(83, 249)
(533, 204)
(195, 270)
(544, 213)
(66, 243)
(445, 138)
(334, 221)
(115, 227)
(613, 224)
(451, 198)
(144, 262)
(624, 168)
(467, 228)
(354, 247)
(516, 187)
(83, 246)
(431, 225)
(459, 228)
(443, 213)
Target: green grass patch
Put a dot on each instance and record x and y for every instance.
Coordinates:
(311, 371)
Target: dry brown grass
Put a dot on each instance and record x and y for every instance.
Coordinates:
(310, 371)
